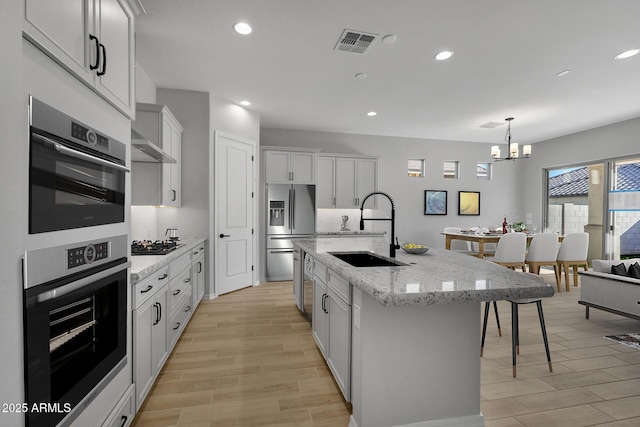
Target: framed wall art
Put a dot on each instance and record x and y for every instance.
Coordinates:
(435, 202)
(469, 203)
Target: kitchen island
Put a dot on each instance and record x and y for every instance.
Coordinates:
(413, 331)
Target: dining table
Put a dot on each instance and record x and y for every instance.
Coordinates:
(481, 239)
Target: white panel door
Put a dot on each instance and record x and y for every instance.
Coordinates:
(234, 213)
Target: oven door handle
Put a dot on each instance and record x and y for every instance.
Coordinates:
(80, 155)
(70, 287)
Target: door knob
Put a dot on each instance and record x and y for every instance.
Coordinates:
(224, 235)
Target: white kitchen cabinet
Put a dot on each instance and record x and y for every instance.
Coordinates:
(290, 167)
(152, 183)
(179, 298)
(331, 323)
(320, 315)
(150, 345)
(338, 304)
(326, 182)
(343, 182)
(122, 415)
(197, 274)
(298, 273)
(92, 39)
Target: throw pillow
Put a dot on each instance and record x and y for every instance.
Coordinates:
(634, 271)
(620, 269)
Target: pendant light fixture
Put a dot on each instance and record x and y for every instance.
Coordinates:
(513, 150)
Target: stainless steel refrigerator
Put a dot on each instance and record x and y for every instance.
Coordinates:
(291, 214)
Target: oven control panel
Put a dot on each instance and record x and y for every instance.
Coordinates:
(87, 254)
(88, 135)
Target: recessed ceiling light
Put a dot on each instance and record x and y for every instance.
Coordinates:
(445, 54)
(245, 103)
(627, 54)
(361, 76)
(389, 39)
(242, 28)
(563, 73)
(372, 113)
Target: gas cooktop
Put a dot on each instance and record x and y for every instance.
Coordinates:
(157, 247)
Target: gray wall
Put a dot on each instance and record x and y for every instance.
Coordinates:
(499, 197)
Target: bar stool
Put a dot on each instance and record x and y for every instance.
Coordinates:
(515, 334)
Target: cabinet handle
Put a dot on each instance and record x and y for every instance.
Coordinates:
(146, 290)
(334, 201)
(157, 307)
(104, 61)
(195, 252)
(187, 280)
(188, 309)
(176, 292)
(95, 39)
(199, 267)
(174, 195)
(159, 312)
(177, 326)
(124, 420)
(164, 276)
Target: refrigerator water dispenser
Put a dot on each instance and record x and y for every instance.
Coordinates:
(276, 212)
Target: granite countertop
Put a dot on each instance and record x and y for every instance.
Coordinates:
(145, 265)
(435, 277)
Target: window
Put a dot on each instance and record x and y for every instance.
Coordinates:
(415, 168)
(451, 169)
(483, 171)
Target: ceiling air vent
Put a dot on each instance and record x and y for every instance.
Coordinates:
(355, 41)
(490, 125)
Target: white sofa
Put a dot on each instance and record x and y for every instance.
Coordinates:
(610, 292)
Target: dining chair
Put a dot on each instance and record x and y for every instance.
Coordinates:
(515, 333)
(543, 251)
(511, 251)
(573, 252)
(458, 245)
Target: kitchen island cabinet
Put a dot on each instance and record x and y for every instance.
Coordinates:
(415, 330)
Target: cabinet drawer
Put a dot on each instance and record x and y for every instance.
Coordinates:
(180, 264)
(320, 270)
(179, 317)
(179, 286)
(122, 415)
(148, 287)
(197, 251)
(339, 286)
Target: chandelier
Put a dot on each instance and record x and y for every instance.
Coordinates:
(513, 150)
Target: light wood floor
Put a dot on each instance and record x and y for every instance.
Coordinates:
(248, 359)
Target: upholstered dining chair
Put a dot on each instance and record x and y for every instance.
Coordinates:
(573, 252)
(515, 333)
(511, 251)
(458, 245)
(543, 251)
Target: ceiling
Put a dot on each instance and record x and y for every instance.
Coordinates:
(506, 57)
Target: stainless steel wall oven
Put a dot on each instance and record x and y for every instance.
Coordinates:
(75, 325)
(76, 174)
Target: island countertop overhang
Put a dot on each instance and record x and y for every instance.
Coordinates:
(436, 277)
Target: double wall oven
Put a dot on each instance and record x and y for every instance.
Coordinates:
(75, 293)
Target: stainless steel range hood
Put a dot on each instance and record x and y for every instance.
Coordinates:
(143, 150)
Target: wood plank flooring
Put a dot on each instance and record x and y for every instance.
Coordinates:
(248, 359)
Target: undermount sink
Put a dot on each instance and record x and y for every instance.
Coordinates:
(365, 259)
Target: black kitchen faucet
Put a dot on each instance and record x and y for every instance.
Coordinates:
(393, 246)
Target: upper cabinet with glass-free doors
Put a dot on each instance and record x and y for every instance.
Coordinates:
(92, 39)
